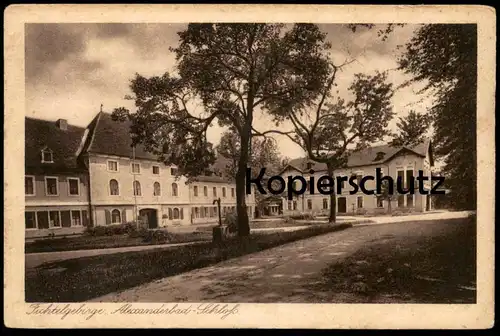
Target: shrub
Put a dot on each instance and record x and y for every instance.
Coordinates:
(302, 216)
(231, 221)
(361, 211)
(156, 236)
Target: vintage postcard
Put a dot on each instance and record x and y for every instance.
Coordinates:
(249, 166)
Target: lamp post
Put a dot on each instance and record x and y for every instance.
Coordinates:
(218, 209)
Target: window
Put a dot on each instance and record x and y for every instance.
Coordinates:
(29, 220)
(205, 191)
(174, 189)
(197, 212)
(380, 202)
(308, 185)
(156, 170)
(116, 216)
(360, 202)
(113, 187)
(42, 218)
(290, 205)
(176, 213)
(401, 176)
(214, 191)
(112, 165)
(325, 203)
(358, 178)
(170, 216)
(173, 171)
(206, 212)
(156, 189)
(232, 192)
(66, 218)
(137, 188)
(54, 220)
(51, 186)
(73, 186)
(76, 218)
(136, 168)
(29, 185)
(223, 191)
(409, 177)
(195, 191)
(409, 200)
(47, 156)
(294, 205)
(309, 165)
(309, 204)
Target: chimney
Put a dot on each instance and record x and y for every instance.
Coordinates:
(62, 124)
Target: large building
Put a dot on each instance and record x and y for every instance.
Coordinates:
(393, 161)
(116, 182)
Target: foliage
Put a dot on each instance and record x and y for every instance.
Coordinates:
(233, 70)
(444, 57)
(336, 127)
(231, 221)
(110, 230)
(412, 129)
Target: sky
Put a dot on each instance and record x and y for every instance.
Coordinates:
(71, 69)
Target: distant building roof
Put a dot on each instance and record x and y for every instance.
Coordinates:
(368, 156)
(61, 139)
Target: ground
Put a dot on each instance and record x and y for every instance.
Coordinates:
(420, 261)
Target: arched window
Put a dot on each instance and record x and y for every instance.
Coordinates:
(113, 187)
(174, 189)
(137, 188)
(157, 189)
(116, 217)
(176, 213)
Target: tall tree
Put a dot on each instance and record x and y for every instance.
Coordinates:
(334, 128)
(412, 129)
(444, 57)
(235, 70)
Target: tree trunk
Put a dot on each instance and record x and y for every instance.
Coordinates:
(333, 198)
(241, 208)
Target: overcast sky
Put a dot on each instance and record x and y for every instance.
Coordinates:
(71, 69)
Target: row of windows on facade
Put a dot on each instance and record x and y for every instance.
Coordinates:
(114, 166)
(114, 189)
(401, 174)
(52, 186)
(292, 205)
(55, 219)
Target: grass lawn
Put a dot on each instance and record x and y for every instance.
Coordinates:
(430, 263)
(81, 279)
(86, 242)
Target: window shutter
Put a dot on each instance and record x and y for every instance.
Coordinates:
(124, 216)
(169, 213)
(108, 216)
(182, 213)
(85, 219)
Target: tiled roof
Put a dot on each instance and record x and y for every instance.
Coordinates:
(64, 144)
(110, 137)
(368, 156)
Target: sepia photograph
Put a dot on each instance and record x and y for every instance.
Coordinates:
(198, 168)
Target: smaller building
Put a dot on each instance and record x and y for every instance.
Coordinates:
(56, 181)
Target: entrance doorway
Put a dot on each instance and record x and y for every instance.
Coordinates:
(149, 216)
(342, 205)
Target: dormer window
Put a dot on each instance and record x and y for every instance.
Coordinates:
(309, 165)
(47, 156)
(380, 156)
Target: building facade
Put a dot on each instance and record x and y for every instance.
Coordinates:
(56, 184)
(393, 161)
(94, 176)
